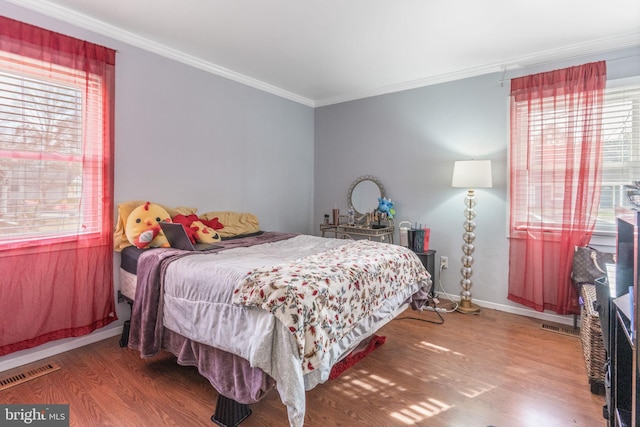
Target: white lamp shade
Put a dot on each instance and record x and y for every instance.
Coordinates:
(472, 174)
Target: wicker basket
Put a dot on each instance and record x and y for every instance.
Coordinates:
(591, 337)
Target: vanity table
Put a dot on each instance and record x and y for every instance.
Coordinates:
(345, 231)
(363, 197)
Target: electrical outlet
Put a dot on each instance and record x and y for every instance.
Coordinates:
(444, 262)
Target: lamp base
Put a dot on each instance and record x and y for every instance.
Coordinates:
(467, 307)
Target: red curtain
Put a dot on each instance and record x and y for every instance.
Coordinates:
(555, 180)
(61, 284)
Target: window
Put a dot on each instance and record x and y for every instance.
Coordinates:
(620, 160)
(621, 157)
(50, 151)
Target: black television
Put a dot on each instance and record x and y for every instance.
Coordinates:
(626, 253)
(619, 277)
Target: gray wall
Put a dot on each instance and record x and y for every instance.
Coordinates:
(410, 140)
(187, 137)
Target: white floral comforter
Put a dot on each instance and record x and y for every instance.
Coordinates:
(320, 298)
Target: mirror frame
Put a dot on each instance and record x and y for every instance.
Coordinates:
(358, 181)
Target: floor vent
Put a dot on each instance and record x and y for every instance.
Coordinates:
(564, 330)
(24, 376)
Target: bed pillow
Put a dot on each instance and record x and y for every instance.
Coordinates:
(120, 240)
(235, 223)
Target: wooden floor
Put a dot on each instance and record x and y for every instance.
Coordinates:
(492, 369)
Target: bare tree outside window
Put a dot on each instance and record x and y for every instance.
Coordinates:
(40, 157)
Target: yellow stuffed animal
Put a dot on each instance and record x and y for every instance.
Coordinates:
(143, 226)
(205, 234)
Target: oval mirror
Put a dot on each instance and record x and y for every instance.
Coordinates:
(364, 193)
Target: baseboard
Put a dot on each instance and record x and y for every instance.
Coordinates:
(522, 311)
(24, 357)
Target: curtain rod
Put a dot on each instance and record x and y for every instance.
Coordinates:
(506, 68)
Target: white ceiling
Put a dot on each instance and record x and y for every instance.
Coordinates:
(320, 52)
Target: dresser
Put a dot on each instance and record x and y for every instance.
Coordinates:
(344, 231)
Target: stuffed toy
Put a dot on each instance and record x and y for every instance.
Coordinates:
(386, 206)
(212, 223)
(205, 234)
(200, 230)
(186, 221)
(143, 226)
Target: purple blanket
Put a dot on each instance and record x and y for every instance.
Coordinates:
(147, 334)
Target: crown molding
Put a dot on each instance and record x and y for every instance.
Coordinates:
(102, 28)
(578, 50)
(428, 81)
(598, 46)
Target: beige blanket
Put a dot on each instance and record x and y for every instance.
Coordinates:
(235, 223)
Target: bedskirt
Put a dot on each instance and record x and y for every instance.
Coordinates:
(237, 381)
(128, 284)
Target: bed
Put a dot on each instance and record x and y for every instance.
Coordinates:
(268, 310)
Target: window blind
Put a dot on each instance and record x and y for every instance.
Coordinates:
(50, 151)
(621, 158)
(544, 143)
